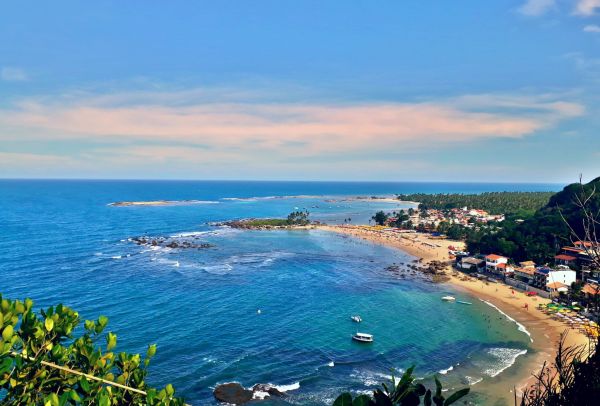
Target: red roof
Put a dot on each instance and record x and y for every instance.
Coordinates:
(493, 257)
(556, 285)
(501, 266)
(572, 249)
(564, 257)
(591, 289)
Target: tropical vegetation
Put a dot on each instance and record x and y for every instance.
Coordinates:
(525, 203)
(46, 358)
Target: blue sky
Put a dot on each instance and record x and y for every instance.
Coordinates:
(412, 90)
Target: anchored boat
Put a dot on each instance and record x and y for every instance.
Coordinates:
(448, 298)
(356, 318)
(363, 337)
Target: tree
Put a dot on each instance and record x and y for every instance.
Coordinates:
(298, 218)
(403, 393)
(380, 218)
(42, 361)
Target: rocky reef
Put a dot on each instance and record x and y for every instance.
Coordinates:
(235, 394)
(171, 242)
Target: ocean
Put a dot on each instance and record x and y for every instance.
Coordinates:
(62, 242)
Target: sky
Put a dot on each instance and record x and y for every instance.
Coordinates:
(484, 91)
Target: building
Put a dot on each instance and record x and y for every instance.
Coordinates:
(525, 274)
(496, 264)
(565, 259)
(471, 264)
(544, 276)
(557, 287)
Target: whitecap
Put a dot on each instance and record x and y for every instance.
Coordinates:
(445, 371)
(287, 388)
(116, 257)
(472, 381)
(331, 364)
(520, 326)
(505, 358)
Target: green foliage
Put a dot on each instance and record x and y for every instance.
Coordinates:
(492, 202)
(298, 218)
(35, 347)
(403, 393)
(539, 237)
(380, 218)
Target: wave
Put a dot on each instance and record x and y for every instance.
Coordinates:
(445, 371)
(520, 326)
(117, 257)
(505, 357)
(220, 231)
(154, 203)
(472, 381)
(331, 364)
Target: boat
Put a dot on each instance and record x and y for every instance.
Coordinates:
(448, 298)
(463, 302)
(363, 337)
(356, 318)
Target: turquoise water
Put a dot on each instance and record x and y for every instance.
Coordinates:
(61, 242)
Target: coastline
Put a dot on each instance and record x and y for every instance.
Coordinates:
(544, 332)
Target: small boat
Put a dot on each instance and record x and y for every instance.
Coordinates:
(463, 302)
(363, 337)
(356, 318)
(448, 298)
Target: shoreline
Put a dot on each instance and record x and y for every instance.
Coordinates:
(544, 332)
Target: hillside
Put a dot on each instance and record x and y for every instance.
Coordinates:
(540, 236)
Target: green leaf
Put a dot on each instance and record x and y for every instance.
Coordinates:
(427, 398)
(456, 395)
(111, 341)
(103, 321)
(362, 400)
(345, 399)
(381, 399)
(7, 333)
(85, 385)
(49, 324)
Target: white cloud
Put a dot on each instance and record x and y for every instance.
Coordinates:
(592, 28)
(536, 8)
(586, 8)
(11, 74)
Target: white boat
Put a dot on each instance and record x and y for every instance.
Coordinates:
(463, 302)
(448, 298)
(356, 318)
(363, 337)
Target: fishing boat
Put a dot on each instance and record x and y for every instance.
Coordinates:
(463, 302)
(356, 318)
(448, 298)
(363, 337)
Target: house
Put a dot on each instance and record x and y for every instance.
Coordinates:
(527, 264)
(496, 264)
(525, 273)
(471, 264)
(591, 289)
(544, 276)
(564, 259)
(557, 287)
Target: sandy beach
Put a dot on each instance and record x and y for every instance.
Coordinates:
(544, 331)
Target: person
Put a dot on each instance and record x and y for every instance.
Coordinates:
(526, 306)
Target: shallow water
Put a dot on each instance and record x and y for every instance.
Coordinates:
(61, 242)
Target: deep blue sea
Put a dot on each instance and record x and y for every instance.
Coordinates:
(61, 242)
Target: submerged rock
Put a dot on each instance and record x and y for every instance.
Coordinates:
(236, 394)
(233, 393)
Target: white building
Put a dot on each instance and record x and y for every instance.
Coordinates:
(496, 264)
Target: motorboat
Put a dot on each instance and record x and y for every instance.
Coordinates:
(356, 318)
(463, 302)
(363, 337)
(448, 298)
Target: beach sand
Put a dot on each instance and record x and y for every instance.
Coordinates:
(545, 332)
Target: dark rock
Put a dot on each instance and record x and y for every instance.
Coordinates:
(260, 387)
(233, 393)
